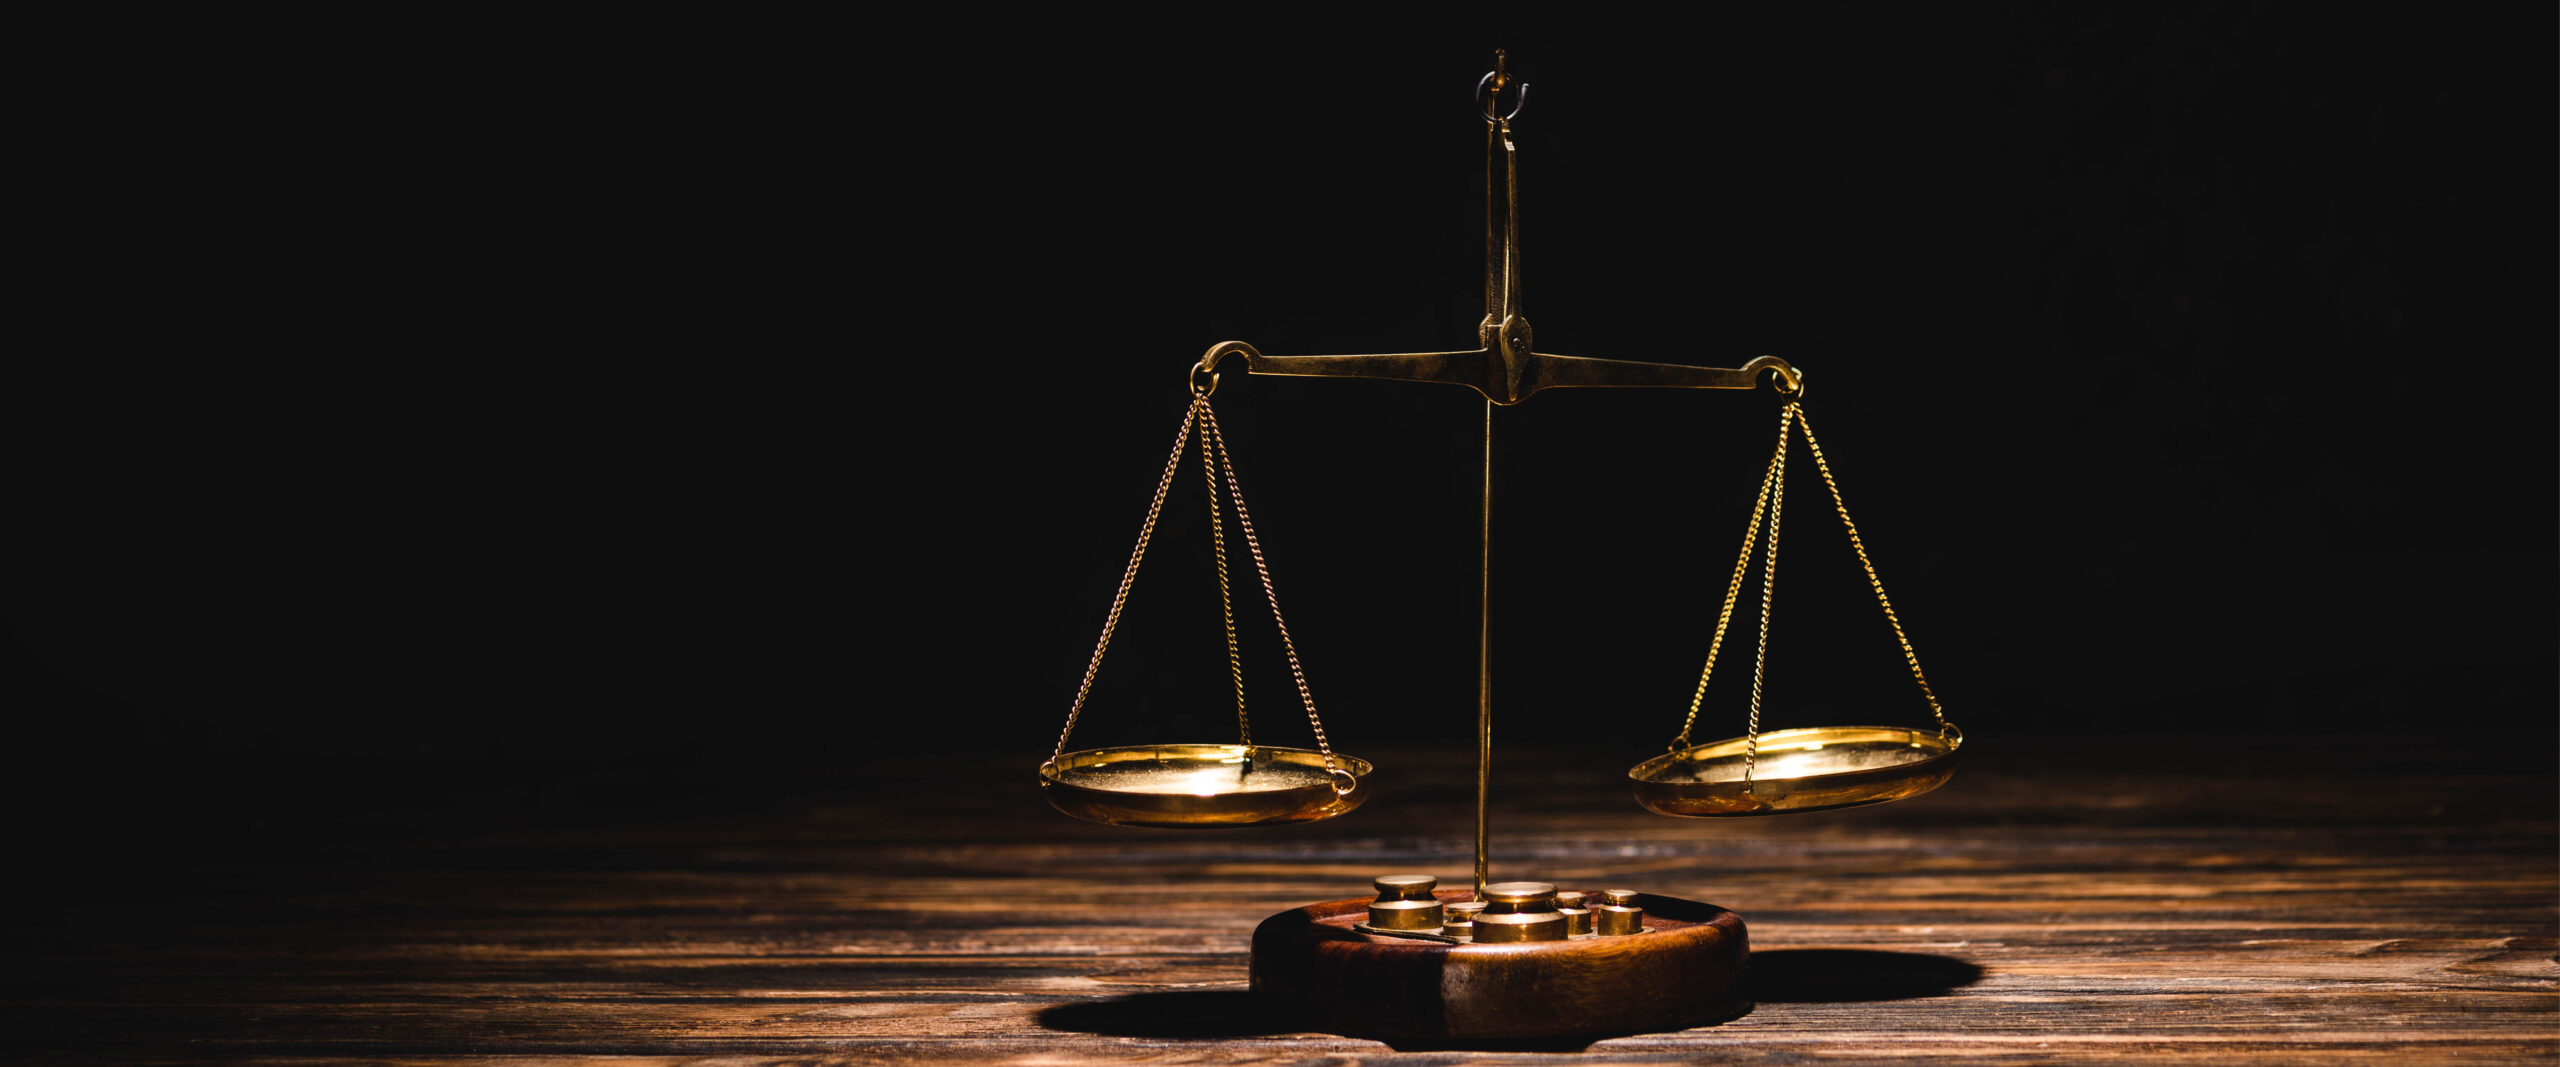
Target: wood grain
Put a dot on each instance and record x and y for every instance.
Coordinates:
(2403, 912)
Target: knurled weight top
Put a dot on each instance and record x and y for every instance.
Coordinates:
(1405, 902)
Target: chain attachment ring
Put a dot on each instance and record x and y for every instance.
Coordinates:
(1485, 100)
(1196, 370)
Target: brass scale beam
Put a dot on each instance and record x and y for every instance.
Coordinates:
(1505, 370)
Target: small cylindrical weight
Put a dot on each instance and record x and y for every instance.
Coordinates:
(1458, 919)
(1577, 917)
(1405, 903)
(1617, 915)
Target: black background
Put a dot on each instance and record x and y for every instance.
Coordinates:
(711, 411)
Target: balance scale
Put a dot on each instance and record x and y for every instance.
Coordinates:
(1515, 959)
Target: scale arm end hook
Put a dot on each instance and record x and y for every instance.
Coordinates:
(1792, 378)
(1223, 349)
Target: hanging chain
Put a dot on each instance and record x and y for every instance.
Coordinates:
(1343, 780)
(1214, 460)
(1772, 499)
(1120, 599)
(1732, 591)
(1226, 600)
(1768, 592)
(1876, 583)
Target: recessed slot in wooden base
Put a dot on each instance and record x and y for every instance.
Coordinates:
(1684, 970)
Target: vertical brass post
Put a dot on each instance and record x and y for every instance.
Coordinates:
(1501, 304)
(1484, 658)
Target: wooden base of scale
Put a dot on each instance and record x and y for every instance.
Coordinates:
(1685, 970)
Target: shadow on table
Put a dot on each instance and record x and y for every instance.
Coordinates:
(1843, 975)
(1226, 1013)
(1184, 1013)
(1781, 976)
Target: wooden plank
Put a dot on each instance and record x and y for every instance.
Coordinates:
(2019, 915)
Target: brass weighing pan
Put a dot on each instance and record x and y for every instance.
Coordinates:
(1812, 769)
(1203, 786)
(1807, 769)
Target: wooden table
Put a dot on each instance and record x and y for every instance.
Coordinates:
(2361, 904)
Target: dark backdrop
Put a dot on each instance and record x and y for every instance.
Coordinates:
(723, 409)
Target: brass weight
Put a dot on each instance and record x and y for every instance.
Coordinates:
(1572, 904)
(1618, 915)
(1519, 911)
(1405, 902)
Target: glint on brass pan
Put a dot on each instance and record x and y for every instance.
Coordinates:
(1203, 785)
(1811, 769)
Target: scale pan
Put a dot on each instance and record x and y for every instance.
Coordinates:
(1202, 786)
(1812, 769)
